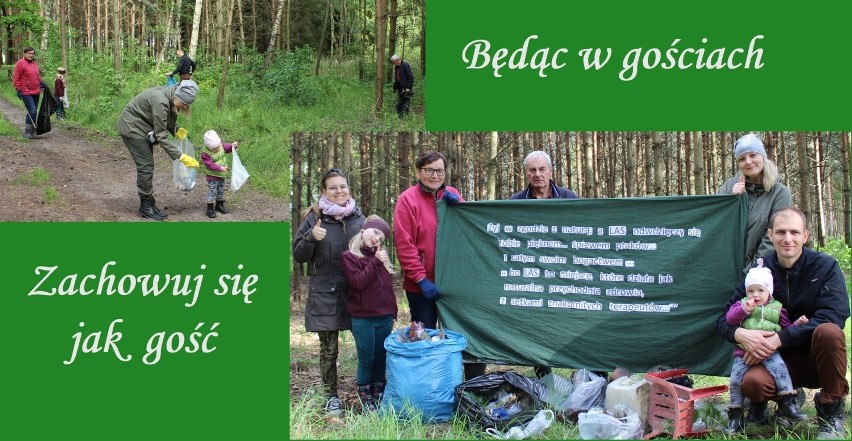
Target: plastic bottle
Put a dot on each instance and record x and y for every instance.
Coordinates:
(542, 420)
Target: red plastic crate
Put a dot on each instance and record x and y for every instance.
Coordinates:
(675, 404)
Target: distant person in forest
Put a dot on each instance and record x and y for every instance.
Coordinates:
(147, 120)
(415, 226)
(758, 179)
(27, 81)
(322, 237)
(59, 92)
(403, 83)
(185, 67)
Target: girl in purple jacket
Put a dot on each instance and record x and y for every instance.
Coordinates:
(372, 305)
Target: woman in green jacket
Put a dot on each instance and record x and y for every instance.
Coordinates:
(147, 120)
(758, 178)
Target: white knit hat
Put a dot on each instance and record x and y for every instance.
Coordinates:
(760, 276)
(749, 143)
(211, 139)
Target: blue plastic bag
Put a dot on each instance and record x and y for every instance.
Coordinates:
(171, 81)
(422, 376)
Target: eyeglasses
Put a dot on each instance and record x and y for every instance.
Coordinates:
(434, 171)
(331, 172)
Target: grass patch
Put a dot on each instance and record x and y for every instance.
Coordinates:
(50, 195)
(37, 177)
(8, 129)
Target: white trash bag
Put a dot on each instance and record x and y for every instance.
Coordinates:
(184, 177)
(239, 174)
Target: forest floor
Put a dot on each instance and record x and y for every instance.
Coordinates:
(72, 174)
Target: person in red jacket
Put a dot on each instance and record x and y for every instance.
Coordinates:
(59, 92)
(415, 226)
(27, 81)
(372, 304)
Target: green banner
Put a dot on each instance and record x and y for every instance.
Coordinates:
(628, 65)
(144, 330)
(592, 283)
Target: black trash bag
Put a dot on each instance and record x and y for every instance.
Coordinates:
(48, 107)
(498, 400)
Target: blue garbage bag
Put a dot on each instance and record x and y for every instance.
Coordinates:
(171, 81)
(422, 376)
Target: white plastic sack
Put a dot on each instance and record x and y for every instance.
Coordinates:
(65, 99)
(596, 424)
(239, 174)
(184, 177)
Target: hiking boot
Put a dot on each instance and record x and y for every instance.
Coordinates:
(736, 422)
(146, 208)
(29, 131)
(157, 210)
(210, 212)
(332, 406)
(787, 408)
(758, 413)
(220, 207)
(378, 391)
(365, 393)
(831, 417)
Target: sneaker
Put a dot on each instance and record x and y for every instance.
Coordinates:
(332, 406)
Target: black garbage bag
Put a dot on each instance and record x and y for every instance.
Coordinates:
(48, 107)
(498, 400)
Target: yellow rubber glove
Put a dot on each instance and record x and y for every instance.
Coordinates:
(181, 133)
(188, 161)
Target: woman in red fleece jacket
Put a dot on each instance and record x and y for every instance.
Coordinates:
(27, 81)
(415, 226)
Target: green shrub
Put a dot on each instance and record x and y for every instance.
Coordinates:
(291, 78)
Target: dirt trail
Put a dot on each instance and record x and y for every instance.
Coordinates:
(94, 179)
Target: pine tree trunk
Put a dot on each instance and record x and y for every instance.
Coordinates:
(63, 36)
(393, 11)
(228, 48)
(698, 163)
(492, 166)
(381, 31)
(321, 45)
(657, 157)
(116, 22)
(804, 178)
(296, 210)
(588, 160)
(844, 172)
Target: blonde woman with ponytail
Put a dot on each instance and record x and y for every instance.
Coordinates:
(372, 305)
